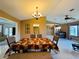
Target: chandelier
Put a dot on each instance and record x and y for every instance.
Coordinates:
(36, 14)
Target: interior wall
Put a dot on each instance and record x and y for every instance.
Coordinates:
(65, 28)
(9, 17)
(42, 26)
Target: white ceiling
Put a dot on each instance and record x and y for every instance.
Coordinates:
(54, 10)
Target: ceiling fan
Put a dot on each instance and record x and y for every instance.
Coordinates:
(67, 17)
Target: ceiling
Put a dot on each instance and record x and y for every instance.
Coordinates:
(54, 10)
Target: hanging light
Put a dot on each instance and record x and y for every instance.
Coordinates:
(36, 14)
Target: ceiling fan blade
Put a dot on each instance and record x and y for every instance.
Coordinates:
(74, 18)
(69, 18)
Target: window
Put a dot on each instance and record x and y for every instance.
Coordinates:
(6, 31)
(27, 28)
(73, 30)
(9, 31)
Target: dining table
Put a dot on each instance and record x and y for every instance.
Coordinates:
(29, 44)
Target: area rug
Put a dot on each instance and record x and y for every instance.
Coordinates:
(31, 55)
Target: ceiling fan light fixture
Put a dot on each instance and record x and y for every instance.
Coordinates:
(67, 17)
(72, 9)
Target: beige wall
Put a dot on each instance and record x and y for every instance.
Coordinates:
(9, 17)
(65, 28)
(42, 26)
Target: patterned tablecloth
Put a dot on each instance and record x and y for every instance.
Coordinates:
(35, 43)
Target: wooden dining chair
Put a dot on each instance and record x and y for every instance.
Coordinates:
(45, 47)
(11, 43)
(56, 39)
(32, 36)
(55, 43)
(39, 35)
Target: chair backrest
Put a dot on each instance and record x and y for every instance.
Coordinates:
(56, 38)
(39, 35)
(10, 41)
(32, 36)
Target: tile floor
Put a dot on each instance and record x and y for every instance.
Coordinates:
(66, 51)
(3, 48)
